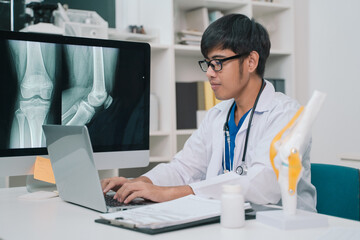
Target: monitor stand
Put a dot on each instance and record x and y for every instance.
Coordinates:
(33, 185)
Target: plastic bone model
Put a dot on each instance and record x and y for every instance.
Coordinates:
(290, 149)
(36, 90)
(83, 111)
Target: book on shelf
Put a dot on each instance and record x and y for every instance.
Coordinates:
(197, 19)
(191, 33)
(200, 95)
(263, 0)
(187, 42)
(186, 105)
(192, 97)
(215, 15)
(210, 99)
(189, 37)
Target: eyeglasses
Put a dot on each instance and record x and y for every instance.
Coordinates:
(217, 64)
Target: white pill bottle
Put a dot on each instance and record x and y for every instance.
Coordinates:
(232, 207)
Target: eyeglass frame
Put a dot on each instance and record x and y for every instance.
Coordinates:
(209, 64)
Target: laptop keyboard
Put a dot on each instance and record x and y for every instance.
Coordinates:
(111, 202)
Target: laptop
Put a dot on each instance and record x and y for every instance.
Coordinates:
(76, 176)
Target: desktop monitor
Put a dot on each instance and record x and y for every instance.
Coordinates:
(51, 79)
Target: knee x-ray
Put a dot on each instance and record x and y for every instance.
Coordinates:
(88, 86)
(50, 83)
(33, 66)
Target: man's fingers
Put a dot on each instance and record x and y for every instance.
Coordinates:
(127, 189)
(113, 183)
(103, 184)
(108, 187)
(132, 196)
(123, 192)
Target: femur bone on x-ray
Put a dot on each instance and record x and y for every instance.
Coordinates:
(90, 80)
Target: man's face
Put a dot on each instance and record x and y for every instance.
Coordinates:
(230, 81)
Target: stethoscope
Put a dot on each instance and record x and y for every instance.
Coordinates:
(242, 168)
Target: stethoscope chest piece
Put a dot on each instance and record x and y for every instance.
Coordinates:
(242, 169)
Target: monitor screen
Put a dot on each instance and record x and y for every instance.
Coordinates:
(49, 79)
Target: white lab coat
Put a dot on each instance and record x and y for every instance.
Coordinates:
(201, 157)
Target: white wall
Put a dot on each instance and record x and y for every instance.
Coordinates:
(328, 59)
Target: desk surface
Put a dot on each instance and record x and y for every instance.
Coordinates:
(56, 219)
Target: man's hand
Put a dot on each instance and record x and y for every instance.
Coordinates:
(131, 190)
(115, 183)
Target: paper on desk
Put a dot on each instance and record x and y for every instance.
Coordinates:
(43, 170)
(182, 210)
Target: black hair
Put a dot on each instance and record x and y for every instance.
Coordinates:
(239, 34)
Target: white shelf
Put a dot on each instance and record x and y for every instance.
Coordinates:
(349, 157)
(222, 5)
(185, 132)
(172, 62)
(261, 9)
(266, 8)
(159, 134)
(136, 37)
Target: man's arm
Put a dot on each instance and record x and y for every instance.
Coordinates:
(129, 189)
(132, 190)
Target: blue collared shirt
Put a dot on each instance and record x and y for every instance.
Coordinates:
(233, 130)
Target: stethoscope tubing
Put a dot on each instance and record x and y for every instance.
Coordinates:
(227, 134)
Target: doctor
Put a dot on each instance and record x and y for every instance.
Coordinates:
(235, 134)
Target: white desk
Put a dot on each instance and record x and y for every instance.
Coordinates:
(55, 219)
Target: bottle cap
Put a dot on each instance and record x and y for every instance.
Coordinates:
(231, 188)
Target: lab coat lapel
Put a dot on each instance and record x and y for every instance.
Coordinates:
(262, 106)
(244, 126)
(215, 165)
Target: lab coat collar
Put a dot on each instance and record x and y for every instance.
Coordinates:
(263, 104)
(266, 98)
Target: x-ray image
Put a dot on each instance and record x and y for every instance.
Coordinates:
(120, 122)
(101, 87)
(91, 72)
(33, 65)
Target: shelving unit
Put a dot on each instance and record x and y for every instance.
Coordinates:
(172, 62)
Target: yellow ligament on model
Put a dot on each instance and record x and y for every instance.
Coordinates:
(294, 158)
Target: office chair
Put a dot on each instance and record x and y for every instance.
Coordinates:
(338, 190)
